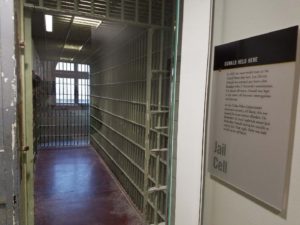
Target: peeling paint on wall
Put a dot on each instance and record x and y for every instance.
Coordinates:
(9, 186)
(13, 138)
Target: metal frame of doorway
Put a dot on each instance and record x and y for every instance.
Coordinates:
(133, 142)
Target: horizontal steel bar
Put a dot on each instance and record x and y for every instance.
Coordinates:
(125, 119)
(112, 159)
(131, 102)
(100, 72)
(125, 137)
(160, 111)
(161, 71)
(162, 128)
(119, 83)
(128, 139)
(120, 117)
(159, 150)
(161, 215)
(155, 189)
(119, 150)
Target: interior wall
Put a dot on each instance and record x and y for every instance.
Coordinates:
(9, 162)
(194, 58)
(234, 20)
(120, 93)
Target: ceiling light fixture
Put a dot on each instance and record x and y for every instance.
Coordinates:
(86, 21)
(49, 23)
(66, 59)
(73, 47)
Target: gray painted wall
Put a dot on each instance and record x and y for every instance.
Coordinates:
(8, 90)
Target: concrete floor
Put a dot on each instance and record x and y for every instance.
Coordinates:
(73, 187)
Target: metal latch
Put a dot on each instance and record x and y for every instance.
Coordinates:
(25, 148)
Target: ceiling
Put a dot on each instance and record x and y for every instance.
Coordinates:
(53, 45)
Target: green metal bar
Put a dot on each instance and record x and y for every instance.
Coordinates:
(171, 123)
(28, 104)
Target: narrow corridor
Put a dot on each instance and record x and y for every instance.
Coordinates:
(73, 187)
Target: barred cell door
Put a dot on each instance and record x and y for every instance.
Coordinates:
(62, 104)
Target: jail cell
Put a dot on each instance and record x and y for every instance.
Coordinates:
(129, 57)
(62, 105)
(129, 117)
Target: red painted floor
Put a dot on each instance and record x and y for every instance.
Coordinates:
(73, 187)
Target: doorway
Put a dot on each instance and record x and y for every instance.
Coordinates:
(119, 104)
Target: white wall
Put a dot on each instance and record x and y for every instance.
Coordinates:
(237, 19)
(191, 110)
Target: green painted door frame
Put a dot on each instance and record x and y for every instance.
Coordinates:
(26, 111)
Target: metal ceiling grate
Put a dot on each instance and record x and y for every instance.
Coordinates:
(35, 2)
(67, 5)
(115, 9)
(141, 12)
(84, 6)
(50, 3)
(129, 9)
(100, 7)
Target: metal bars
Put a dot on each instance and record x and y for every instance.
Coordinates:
(160, 81)
(118, 113)
(62, 106)
(129, 114)
(138, 12)
(148, 118)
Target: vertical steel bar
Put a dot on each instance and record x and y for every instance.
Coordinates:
(148, 115)
(86, 109)
(59, 4)
(159, 115)
(92, 7)
(150, 12)
(122, 9)
(62, 111)
(76, 5)
(107, 8)
(56, 93)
